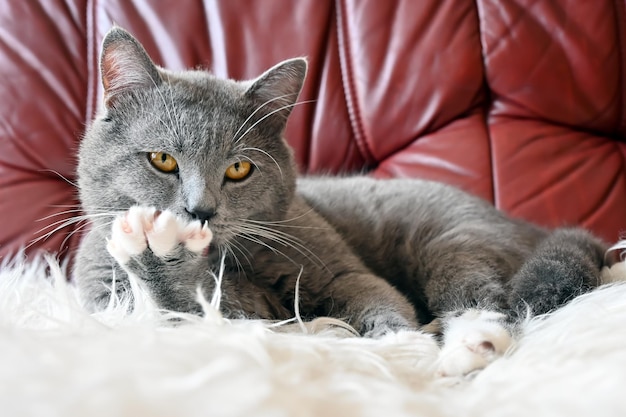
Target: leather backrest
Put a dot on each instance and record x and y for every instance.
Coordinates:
(520, 102)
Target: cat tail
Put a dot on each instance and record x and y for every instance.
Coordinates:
(564, 265)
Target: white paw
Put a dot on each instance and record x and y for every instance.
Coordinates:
(142, 227)
(195, 236)
(471, 342)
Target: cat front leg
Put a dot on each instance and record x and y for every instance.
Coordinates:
(165, 253)
(370, 305)
(472, 339)
(98, 277)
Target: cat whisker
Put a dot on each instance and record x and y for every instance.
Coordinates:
(279, 222)
(61, 224)
(76, 230)
(163, 123)
(282, 223)
(292, 226)
(72, 220)
(60, 213)
(70, 182)
(256, 238)
(281, 108)
(73, 211)
(76, 206)
(240, 249)
(259, 109)
(266, 154)
(252, 162)
(177, 116)
(182, 128)
(226, 250)
(284, 239)
(169, 126)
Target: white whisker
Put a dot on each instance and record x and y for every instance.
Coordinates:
(74, 231)
(63, 223)
(281, 238)
(266, 154)
(72, 220)
(257, 110)
(281, 222)
(60, 213)
(61, 176)
(252, 238)
(241, 250)
(251, 161)
(271, 114)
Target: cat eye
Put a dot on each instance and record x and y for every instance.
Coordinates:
(238, 171)
(164, 162)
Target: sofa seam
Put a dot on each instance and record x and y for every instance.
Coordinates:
(350, 90)
(91, 61)
(620, 22)
(487, 107)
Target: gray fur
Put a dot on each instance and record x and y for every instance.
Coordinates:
(384, 255)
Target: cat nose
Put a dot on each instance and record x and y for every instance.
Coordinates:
(203, 214)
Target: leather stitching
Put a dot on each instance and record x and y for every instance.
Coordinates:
(350, 90)
(92, 61)
(620, 16)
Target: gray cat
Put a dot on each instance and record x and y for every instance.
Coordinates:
(184, 159)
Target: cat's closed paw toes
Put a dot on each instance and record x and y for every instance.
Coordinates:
(196, 236)
(471, 342)
(162, 235)
(128, 233)
(141, 228)
(381, 324)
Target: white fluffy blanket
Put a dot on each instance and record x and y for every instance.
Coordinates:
(57, 360)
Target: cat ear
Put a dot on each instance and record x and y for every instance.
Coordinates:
(125, 65)
(276, 91)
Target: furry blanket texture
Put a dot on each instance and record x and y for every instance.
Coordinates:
(58, 360)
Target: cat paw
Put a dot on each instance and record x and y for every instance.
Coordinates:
(471, 342)
(379, 324)
(142, 228)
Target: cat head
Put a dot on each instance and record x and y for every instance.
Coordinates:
(203, 147)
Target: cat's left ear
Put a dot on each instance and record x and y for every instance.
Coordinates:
(276, 91)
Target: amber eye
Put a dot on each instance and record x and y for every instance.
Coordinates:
(238, 171)
(163, 162)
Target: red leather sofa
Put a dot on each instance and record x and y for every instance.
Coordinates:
(521, 102)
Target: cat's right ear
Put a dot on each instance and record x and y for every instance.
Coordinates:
(125, 66)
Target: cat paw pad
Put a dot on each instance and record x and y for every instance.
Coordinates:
(141, 228)
(471, 342)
